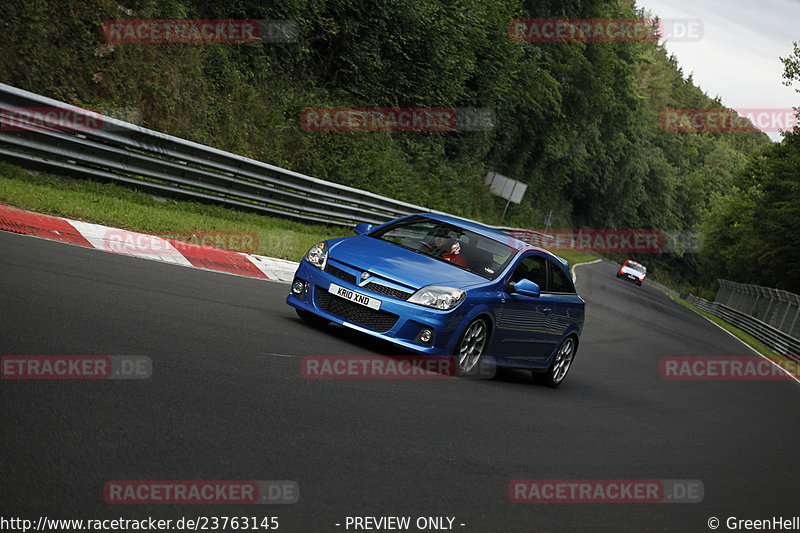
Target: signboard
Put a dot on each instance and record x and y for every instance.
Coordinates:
(511, 190)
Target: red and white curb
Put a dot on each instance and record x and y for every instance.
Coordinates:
(145, 246)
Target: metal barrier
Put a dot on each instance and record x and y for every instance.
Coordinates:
(104, 148)
(778, 308)
(779, 341)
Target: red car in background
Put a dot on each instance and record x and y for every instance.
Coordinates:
(633, 271)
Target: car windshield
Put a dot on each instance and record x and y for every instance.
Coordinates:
(460, 247)
(634, 266)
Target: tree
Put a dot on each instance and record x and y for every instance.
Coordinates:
(753, 234)
(791, 66)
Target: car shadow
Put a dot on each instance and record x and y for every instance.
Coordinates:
(513, 375)
(387, 349)
(351, 336)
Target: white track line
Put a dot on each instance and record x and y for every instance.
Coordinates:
(574, 277)
(793, 376)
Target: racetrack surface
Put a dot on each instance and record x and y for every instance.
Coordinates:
(226, 401)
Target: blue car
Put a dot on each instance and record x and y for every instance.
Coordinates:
(442, 286)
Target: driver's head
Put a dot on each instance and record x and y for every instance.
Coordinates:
(441, 237)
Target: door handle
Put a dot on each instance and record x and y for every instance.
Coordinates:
(547, 310)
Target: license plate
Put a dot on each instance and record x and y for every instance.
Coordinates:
(356, 297)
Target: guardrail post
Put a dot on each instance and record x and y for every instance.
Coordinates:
(766, 314)
(785, 313)
(794, 322)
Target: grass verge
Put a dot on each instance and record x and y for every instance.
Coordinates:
(574, 257)
(120, 207)
(756, 344)
(113, 205)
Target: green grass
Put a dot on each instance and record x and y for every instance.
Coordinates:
(121, 207)
(756, 344)
(113, 205)
(574, 257)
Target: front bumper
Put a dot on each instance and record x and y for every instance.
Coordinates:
(629, 276)
(397, 321)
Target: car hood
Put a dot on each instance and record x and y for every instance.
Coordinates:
(633, 272)
(403, 266)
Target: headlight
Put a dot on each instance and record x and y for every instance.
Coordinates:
(444, 298)
(318, 255)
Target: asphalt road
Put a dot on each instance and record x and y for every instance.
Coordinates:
(226, 401)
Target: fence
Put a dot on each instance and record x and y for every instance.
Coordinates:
(779, 341)
(778, 308)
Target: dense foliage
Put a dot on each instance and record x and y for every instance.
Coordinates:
(577, 122)
(753, 231)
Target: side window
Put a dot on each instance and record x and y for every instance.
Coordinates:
(560, 281)
(533, 268)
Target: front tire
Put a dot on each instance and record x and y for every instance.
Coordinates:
(560, 366)
(469, 351)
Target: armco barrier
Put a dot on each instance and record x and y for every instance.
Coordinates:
(779, 341)
(778, 308)
(165, 165)
(107, 149)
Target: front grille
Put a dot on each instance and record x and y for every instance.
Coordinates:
(339, 273)
(355, 313)
(374, 287)
(388, 291)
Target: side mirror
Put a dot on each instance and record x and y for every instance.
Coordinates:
(362, 228)
(526, 287)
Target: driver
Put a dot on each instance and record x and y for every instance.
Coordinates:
(448, 248)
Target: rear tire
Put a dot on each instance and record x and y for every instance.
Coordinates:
(560, 366)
